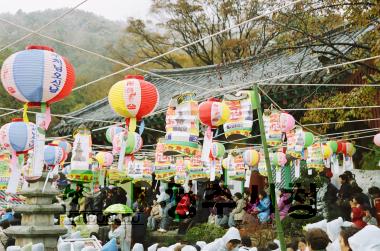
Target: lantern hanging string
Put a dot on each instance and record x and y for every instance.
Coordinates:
(44, 26)
(104, 121)
(71, 117)
(102, 56)
(306, 128)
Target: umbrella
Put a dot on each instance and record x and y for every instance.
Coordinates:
(118, 209)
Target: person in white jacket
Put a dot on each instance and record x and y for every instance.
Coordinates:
(118, 232)
(229, 242)
(366, 239)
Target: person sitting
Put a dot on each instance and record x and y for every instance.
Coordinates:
(374, 193)
(317, 239)
(166, 219)
(346, 233)
(368, 218)
(238, 212)
(118, 232)
(155, 215)
(284, 203)
(8, 216)
(357, 213)
(263, 207)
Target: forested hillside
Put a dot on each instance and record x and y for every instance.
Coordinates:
(78, 28)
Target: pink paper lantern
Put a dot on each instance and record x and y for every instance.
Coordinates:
(287, 122)
(376, 139)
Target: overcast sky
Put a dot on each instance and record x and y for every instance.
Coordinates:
(111, 9)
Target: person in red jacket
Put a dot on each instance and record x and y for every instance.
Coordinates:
(357, 215)
(183, 206)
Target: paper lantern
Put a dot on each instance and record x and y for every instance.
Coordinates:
(350, 149)
(213, 113)
(272, 127)
(287, 122)
(134, 142)
(18, 136)
(53, 155)
(327, 151)
(279, 159)
(64, 144)
(342, 147)
(239, 124)
(376, 139)
(133, 98)
(104, 158)
(333, 145)
(309, 139)
(112, 131)
(217, 150)
(251, 157)
(37, 75)
(182, 126)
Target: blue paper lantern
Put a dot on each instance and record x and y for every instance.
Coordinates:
(18, 136)
(37, 75)
(53, 155)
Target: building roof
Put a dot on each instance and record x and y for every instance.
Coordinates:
(242, 72)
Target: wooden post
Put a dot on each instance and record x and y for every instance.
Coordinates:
(280, 231)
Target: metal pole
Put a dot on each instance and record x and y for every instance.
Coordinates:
(280, 231)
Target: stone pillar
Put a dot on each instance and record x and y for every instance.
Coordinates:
(37, 223)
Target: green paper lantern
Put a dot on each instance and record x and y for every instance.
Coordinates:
(333, 145)
(309, 139)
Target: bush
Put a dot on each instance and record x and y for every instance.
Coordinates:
(204, 232)
(293, 227)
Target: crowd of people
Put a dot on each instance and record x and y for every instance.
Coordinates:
(180, 208)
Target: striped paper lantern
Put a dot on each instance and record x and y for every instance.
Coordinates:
(133, 144)
(350, 149)
(53, 155)
(64, 144)
(217, 150)
(251, 157)
(112, 131)
(104, 158)
(18, 136)
(37, 75)
(133, 98)
(213, 113)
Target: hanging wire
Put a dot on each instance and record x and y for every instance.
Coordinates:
(190, 44)
(44, 26)
(274, 102)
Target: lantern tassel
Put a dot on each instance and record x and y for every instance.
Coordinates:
(25, 113)
(207, 142)
(132, 125)
(16, 165)
(212, 170)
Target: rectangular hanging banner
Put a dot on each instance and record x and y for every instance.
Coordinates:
(39, 144)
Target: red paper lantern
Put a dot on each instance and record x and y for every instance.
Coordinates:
(342, 147)
(213, 113)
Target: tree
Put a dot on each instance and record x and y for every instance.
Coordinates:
(184, 21)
